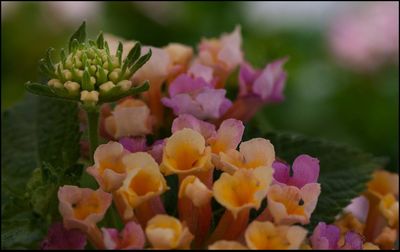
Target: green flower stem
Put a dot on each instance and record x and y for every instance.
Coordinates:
(93, 121)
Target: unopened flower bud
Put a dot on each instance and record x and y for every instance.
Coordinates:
(68, 63)
(125, 84)
(105, 87)
(78, 63)
(92, 69)
(72, 87)
(78, 53)
(105, 65)
(67, 74)
(89, 96)
(92, 80)
(114, 75)
(55, 83)
(115, 61)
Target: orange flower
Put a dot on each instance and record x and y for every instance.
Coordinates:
(166, 232)
(265, 235)
(224, 245)
(185, 152)
(143, 180)
(289, 204)
(82, 208)
(252, 154)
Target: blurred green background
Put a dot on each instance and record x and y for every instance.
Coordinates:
(323, 99)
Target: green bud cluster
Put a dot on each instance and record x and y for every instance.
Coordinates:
(89, 72)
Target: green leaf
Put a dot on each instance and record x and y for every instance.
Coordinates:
(38, 133)
(86, 85)
(344, 171)
(49, 62)
(119, 52)
(100, 41)
(44, 68)
(79, 35)
(58, 132)
(141, 61)
(18, 144)
(132, 56)
(39, 89)
(116, 93)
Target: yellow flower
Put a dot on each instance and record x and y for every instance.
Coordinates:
(389, 208)
(224, 245)
(192, 188)
(370, 246)
(82, 208)
(166, 232)
(289, 204)
(143, 180)
(383, 183)
(185, 152)
(108, 169)
(265, 235)
(257, 152)
(242, 190)
(129, 118)
(386, 238)
(348, 222)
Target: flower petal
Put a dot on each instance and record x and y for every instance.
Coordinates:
(192, 188)
(60, 238)
(244, 189)
(166, 232)
(82, 208)
(225, 245)
(265, 235)
(206, 129)
(131, 237)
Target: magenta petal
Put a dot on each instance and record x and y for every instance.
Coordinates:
(157, 149)
(305, 170)
(188, 121)
(133, 144)
(325, 236)
(269, 84)
(226, 104)
(131, 237)
(247, 76)
(182, 104)
(281, 172)
(211, 101)
(353, 241)
(186, 84)
(60, 238)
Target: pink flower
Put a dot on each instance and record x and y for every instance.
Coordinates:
(305, 170)
(197, 97)
(131, 237)
(157, 149)
(206, 129)
(133, 144)
(60, 238)
(327, 237)
(223, 54)
(267, 84)
(366, 39)
(257, 87)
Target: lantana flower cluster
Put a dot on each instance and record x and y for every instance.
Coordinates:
(206, 151)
